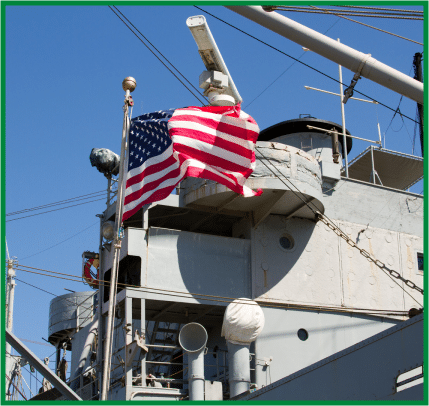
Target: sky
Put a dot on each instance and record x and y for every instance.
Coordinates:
(64, 68)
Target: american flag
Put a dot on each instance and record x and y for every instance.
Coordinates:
(214, 142)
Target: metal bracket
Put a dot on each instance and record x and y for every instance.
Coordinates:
(349, 91)
(133, 347)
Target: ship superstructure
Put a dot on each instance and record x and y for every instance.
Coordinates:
(334, 260)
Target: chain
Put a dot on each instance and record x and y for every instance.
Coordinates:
(366, 254)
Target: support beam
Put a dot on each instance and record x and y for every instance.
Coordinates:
(262, 211)
(339, 53)
(41, 367)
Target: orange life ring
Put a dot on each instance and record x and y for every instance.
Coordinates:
(90, 278)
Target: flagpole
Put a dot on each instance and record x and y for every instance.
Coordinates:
(128, 84)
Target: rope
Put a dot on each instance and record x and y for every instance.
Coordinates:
(16, 387)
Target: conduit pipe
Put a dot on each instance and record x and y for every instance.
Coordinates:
(243, 321)
(193, 339)
(335, 51)
(85, 356)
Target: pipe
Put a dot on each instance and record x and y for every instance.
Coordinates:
(339, 53)
(196, 375)
(85, 357)
(239, 368)
(193, 339)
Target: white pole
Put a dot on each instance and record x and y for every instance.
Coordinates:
(129, 84)
(339, 53)
(343, 118)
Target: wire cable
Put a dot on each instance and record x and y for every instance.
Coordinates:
(156, 56)
(384, 8)
(159, 52)
(216, 298)
(296, 59)
(49, 211)
(278, 77)
(72, 199)
(370, 26)
(74, 235)
(339, 12)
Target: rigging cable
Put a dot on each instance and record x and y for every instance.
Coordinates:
(202, 102)
(384, 8)
(65, 201)
(278, 77)
(201, 296)
(46, 249)
(49, 211)
(53, 294)
(297, 60)
(370, 26)
(375, 14)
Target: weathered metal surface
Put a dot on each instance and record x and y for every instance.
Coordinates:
(322, 269)
(197, 263)
(367, 370)
(328, 333)
(68, 312)
(363, 203)
(294, 165)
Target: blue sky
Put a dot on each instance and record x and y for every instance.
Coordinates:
(64, 69)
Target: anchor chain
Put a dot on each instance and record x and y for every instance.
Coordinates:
(366, 254)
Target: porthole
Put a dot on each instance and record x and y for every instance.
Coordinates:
(302, 334)
(286, 242)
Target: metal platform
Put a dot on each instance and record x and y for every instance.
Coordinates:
(392, 169)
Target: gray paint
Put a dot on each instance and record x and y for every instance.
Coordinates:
(197, 263)
(328, 333)
(63, 313)
(365, 371)
(364, 203)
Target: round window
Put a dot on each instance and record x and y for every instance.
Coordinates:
(286, 242)
(302, 334)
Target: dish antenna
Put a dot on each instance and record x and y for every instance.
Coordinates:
(216, 81)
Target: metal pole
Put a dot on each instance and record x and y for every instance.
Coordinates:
(343, 118)
(100, 306)
(418, 75)
(372, 165)
(339, 53)
(128, 85)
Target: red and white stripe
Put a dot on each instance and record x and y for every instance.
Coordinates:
(215, 143)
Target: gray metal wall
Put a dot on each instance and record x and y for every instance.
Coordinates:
(328, 333)
(366, 371)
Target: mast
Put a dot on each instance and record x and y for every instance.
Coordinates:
(128, 84)
(417, 63)
(358, 62)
